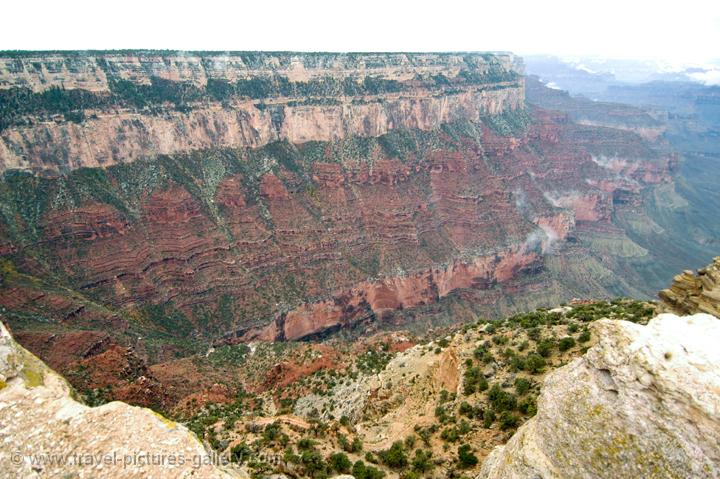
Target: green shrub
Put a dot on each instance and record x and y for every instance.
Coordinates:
(466, 458)
(422, 462)
(450, 434)
(482, 354)
(508, 420)
(373, 361)
(425, 435)
(517, 363)
(291, 457)
(347, 446)
(395, 457)
(499, 339)
(488, 418)
(534, 363)
(528, 406)
(306, 444)
(466, 409)
(339, 462)
(271, 432)
(240, 453)
(501, 400)
(545, 347)
(534, 334)
(566, 343)
(313, 463)
(474, 380)
(361, 471)
(522, 386)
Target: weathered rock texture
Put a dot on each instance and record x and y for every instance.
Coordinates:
(695, 293)
(92, 70)
(643, 402)
(294, 97)
(47, 433)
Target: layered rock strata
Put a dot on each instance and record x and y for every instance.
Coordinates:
(296, 240)
(140, 105)
(695, 292)
(302, 193)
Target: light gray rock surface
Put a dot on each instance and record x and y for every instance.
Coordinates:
(642, 403)
(44, 432)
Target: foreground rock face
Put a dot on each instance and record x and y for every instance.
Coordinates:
(695, 293)
(643, 402)
(46, 433)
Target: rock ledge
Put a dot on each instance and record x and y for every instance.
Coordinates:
(643, 402)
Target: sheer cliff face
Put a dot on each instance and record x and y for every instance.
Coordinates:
(138, 106)
(284, 196)
(95, 71)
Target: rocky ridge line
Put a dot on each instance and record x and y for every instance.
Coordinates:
(139, 105)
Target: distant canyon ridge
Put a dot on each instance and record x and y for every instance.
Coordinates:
(139, 105)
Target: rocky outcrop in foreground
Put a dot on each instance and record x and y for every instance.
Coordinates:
(643, 402)
(47, 433)
(695, 293)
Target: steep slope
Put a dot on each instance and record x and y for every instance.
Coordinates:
(70, 110)
(47, 433)
(407, 406)
(452, 200)
(642, 402)
(311, 237)
(677, 224)
(687, 217)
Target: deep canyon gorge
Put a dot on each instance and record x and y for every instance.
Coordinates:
(396, 265)
(169, 202)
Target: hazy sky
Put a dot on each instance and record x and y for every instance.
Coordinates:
(683, 31)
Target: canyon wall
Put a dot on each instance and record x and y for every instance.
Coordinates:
(288, 241)
(96, 110)
(284, 196)
(94, 70)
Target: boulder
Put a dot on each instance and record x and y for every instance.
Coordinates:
(46, 432)
(694, 292)
(644, 402)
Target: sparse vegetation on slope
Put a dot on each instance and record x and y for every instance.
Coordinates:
(418, 413)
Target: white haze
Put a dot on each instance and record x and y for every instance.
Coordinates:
(684, 32)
